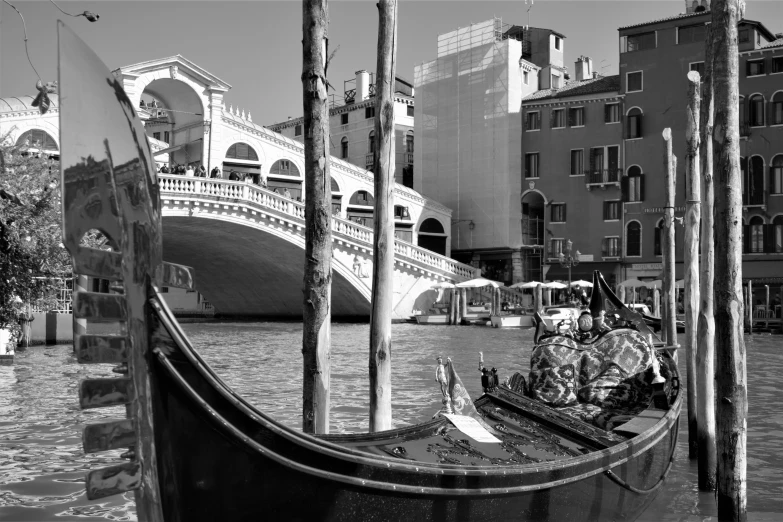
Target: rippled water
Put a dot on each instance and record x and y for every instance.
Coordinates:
(42, 464)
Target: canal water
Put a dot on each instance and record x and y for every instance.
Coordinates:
(42, 464)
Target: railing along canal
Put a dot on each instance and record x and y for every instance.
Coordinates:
(240, 190)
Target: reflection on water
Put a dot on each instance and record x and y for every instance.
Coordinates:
(42, 464)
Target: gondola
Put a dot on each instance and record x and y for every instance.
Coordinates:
(198, 451)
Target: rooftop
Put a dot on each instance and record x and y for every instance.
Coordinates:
(578, 88)
(776, 43)
(668, 19)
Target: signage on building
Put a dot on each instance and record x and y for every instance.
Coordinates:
(647, 266)
(586, 257)
(661, 210)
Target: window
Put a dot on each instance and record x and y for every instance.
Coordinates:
(744, 35)
(640, 42)
(632, 185)
(371, 142)
(344, 119)
(362, 197)
(577, 162)
(777, 64)
(37, 139)
(576, 117)
(555, 81)
(777, 234)
(526, 77)
(756, 235)
(612, 113)
(166, 136)
(401, 212)
(752, 180)
(657, 248)
(756, 108)
(692, 34)
(754, 67)
(557, 43)
(403, 234)
(776, 109)
(556, 247)
(633, 239)
(531, 165)
(611, 210)
(558, 118)
(410, 110)
(610, 247)
(699, 68)
(634, 82)
(634, 130)
(533, 120)
(776, 175)
(344, 148)
(156, 135)
(241, 151)
(597, 160)
(369, 112)
(409, 145)
(297, 130)
(284, 168)
(558, 213)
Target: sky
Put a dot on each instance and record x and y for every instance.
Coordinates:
(255, 45)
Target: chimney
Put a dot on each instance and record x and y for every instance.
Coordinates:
(362, 85)
(583, 68)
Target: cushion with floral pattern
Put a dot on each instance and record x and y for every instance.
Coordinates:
(555, 386)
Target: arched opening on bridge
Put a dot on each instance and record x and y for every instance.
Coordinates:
(37, 141)
(361, 207)
(176, 118)
(242, 162)
(432, 236)
(533, 205)
(284, 175)
(337, 199)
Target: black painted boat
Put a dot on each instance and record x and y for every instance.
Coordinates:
(198, 451)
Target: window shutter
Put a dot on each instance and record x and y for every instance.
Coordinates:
(584, 116)
(641, 187)
(527, 165)
(624, 187)
(747, 68)
(606, 210)
(552, 118)
(640, 119)
(745, 239)
(606, 113)
(571, 117)
(526, 120)
(769, 238)
(564, 212)
(592, 160)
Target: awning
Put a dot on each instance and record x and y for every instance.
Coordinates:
(764, 272)
(580, 271)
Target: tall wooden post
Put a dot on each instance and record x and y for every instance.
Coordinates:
(669, 325)
(656, 302)
(731, 372)
(79, 325)
(692, 223)
(705, 352)
(316, 306)
(453, 307)
(749, 298)
(463, 303)
(538, 297)
(383, 250)
(621, 292)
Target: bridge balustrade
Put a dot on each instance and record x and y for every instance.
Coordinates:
(240, 190)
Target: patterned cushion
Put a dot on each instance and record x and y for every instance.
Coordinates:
(517, 383)
(628, 349)
(553, 354)
(554, 386)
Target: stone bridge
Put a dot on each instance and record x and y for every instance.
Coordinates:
(246, 244)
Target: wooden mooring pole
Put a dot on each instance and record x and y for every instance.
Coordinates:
(383, 259)
(317, 298)
(705, 335)
(669, 324)
(692, 223)
(731, 372)
(749, 306)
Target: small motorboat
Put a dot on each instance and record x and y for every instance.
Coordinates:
(512, 319)
(590, 436)
(556, 315)
(432, 318)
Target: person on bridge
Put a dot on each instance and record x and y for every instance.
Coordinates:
(215, 173)
(287, 193)
(201, 172)
(164, 169)
(190, 172)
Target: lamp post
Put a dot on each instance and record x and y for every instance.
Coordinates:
(569, 259)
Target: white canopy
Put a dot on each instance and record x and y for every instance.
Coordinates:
(529, 284)
(659, 284)
(634, 283)
(478, 283)
(582, 282)
(555, 285)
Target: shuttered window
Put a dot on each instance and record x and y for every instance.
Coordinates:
(558, 118)
(558, 213)
(531, 165)
(577, 162)
(633, 239)
(754, 67)
(242, 151)
(576, 117)
(612, 113)
(611, 210)
(634, 130)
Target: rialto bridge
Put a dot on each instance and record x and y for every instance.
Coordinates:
(246, 242)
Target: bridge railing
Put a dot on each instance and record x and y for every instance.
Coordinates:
(170, 183)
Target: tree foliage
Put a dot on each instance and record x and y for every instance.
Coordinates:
(32, 256)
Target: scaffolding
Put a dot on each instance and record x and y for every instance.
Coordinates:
(468, 129)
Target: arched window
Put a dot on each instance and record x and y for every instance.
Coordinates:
(752, 181)
(37, 139)
(632, 185)
(743, 117)
(362, 197)
(371, 146)
(409, 146)
(756, 107)
(777, 234)
(337, 198)
(284, 168)
(776, 175)
(361, 208)
(756, 234)
(658, 248)
(241, 151)
(344, 148)
(776, 109)
(432, 236)
(633, 239)
(634, 123)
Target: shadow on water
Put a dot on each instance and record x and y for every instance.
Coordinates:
(42, 464)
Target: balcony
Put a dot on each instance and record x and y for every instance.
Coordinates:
(744, 130)
(754, 199)
(602, 178)
(533, 232)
